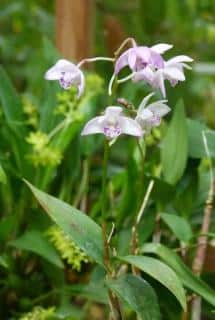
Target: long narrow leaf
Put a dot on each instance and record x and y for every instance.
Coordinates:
(187, 277)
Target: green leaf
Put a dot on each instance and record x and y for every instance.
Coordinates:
(175, 146)
(139, 295)
(3, 177)
(179, 226)
(11, 104)
(77, 225)
(161, 272)
(36, 242)
(185, 274)
(3, 262)
(196, 144)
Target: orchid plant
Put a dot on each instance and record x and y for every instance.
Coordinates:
(123, 283)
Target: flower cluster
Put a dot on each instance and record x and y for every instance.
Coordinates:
(42, 152)
(68, 250)
(39, 313)
(146, 64)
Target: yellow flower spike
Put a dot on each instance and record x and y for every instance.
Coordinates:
(39, 313)
(68, 250)
(38, 140)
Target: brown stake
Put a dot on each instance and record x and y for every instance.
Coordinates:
(73, 28)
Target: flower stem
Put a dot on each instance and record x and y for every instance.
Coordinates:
(60, 126)
(130, 76)
(115, 313)
(83, 185)
(104, 180)
(125, 42)
(134, 235)
(88, 60)
(141, 152)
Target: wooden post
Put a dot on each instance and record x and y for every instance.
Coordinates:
(73, 28)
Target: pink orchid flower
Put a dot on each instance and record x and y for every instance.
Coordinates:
(150, 115)
(68, 74)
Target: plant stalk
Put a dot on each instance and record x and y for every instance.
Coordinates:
(200, 255)
(113, 300)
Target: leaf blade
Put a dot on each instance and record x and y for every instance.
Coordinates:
(174, 150)
(138, 294)
(161, 272)
(188, 279)
(179, 226)
(77, 225)
(34, 241)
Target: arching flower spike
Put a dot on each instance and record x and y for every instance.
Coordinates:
(149, 116)
(112, 124)
(68, 74)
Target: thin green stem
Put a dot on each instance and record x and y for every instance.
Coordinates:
(83, 185)
(113, 300)
(141, 151)
(130, 76)
(60, 126)
(104, 180)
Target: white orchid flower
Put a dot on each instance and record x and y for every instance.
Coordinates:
(68, 74)
(112, 124)
(149, 115)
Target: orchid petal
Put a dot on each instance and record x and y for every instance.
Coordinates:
(156, 60)
(132, 57)
(81, 84)
(144, 102)
(145, 115)
(161, 47)
(121, 62)
(160, 84)
(113, 111)
(179, 59)
(93, 126)
(174, 73)
(130, 127)
(159, 109)
(62, 65)
(146, 74)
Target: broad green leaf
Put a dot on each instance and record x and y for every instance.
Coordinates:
(179, 226)
(187, 277)
(3, 177)
(3, 262)
(196, 145)
(48, 119)
(161, 272)
(138, 294)
(175, 146)
(77, 225)
(15, 128)
(7, 225)
(36, 242)
(11, 104)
